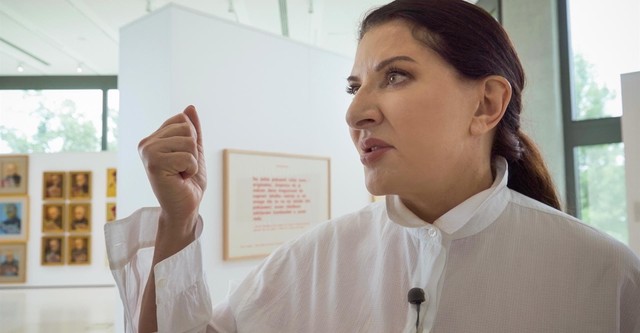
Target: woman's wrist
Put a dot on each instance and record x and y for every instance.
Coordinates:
(174, 234)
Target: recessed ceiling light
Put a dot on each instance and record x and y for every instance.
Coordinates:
(20, 68)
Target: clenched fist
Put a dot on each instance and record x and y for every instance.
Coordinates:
(174, 161)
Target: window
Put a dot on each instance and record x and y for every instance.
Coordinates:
(601, 186)
(113, 110)
(598, 43)
(56, 114)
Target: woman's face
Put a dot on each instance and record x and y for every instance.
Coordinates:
(410, 113)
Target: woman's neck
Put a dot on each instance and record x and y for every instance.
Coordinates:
(429, 205)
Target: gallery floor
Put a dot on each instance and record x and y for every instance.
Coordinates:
(58, 310)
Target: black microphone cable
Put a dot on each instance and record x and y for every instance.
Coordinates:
(416, 296)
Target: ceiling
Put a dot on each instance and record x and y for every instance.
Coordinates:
(80, 37)
(55, 37)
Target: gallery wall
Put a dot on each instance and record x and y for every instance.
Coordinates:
(253, 90)
(94, 272)
(533, 29)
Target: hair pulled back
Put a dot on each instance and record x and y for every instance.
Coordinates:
(477, 46)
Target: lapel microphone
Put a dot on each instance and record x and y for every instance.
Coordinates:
(416, 296)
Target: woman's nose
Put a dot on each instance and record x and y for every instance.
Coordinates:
(364, 111)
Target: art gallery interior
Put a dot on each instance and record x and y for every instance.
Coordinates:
(268, 79)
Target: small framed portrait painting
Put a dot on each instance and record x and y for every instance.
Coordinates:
(112, 183)
(79, 250)
(14, 219)
(14, 174)
(13, 263)
(53, 185)
(111, 211)
(80, 185)
(53, 218)
(53, 250)
(79, 217)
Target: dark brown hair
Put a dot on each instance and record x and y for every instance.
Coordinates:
(477, 46)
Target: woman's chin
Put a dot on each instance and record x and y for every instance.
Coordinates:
(376, 188)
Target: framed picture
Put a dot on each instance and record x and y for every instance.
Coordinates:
(52, 250)
(14, 219)
(13, 263)
(79, 252)
(14, 174)
(111, 211)
(79, 217)
(80, 185)
(53, 218)
(53, 185)
(112, 183)
(271, 198)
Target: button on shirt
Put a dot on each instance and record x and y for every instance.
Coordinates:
(498, 262)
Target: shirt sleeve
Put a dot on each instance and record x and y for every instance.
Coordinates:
(182, 295)
(630, 297)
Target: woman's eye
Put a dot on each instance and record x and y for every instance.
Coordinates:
(395, 78)
(352, 90)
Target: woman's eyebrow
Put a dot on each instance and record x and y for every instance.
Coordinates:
(387, 62)
(383, 64)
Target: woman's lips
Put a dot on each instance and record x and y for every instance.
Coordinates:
(372, 150)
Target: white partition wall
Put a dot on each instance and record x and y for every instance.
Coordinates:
(253, 91)
(631, 138)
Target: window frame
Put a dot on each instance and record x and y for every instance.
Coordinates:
(577, 132)
(104, 83)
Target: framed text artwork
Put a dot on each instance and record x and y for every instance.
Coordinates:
(271, 198)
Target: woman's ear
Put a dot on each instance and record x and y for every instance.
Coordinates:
(495, 97)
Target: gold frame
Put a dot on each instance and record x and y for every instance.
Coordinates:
(256, 236)
(72, 183)
(87, 246)
(45, 206)
(43, 249)
(112, 182)
(22, 214)
(45, 185)
(22, 262)
(22, 164)
(88, 215)
(111, 217)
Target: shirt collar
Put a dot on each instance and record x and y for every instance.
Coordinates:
(469, 217)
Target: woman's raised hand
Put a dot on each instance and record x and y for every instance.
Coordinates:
(174, 160)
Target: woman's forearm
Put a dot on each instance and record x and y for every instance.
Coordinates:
(172, 237)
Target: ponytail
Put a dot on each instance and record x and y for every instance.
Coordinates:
(528, 174)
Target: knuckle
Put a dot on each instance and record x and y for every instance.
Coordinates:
(192, 145)
(143, 148)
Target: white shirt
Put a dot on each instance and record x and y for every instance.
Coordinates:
(498, 262)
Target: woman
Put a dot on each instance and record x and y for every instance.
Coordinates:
(470, 217)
